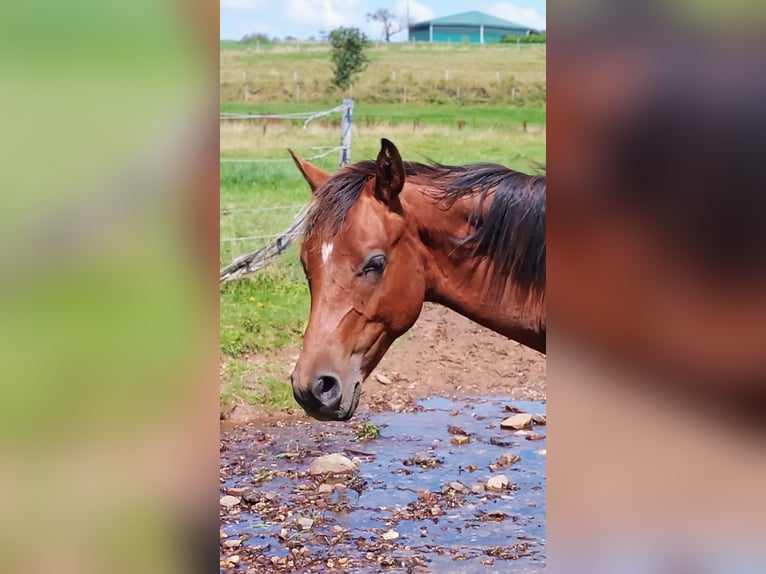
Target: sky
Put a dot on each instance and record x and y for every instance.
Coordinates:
(306, 18)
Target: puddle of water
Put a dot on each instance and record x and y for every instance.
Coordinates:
(403, 484)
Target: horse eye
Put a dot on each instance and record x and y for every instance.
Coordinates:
(376, 264)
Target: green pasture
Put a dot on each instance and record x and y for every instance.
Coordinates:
(429, 73)
(267, 311)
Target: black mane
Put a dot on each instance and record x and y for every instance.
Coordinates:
(509, 232)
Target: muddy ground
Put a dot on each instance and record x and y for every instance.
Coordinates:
(444, 488)
(444, 354)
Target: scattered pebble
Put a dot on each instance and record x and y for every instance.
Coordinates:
(305, 523)
(325, 488)
(497, 483)
(460, 439)
(390, 535)
(229, 501)
(382, 379)
(332, 464)
(517, 421)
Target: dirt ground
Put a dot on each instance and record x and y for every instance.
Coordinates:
(444, 354)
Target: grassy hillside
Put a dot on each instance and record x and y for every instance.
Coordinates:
(428, 73)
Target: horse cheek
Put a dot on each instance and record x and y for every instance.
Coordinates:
(406, 300)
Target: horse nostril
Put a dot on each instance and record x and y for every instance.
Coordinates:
(326, 390)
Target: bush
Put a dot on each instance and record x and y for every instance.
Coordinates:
(348, 54)
(531, 39)
(254, 39)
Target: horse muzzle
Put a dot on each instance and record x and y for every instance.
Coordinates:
(325, 399)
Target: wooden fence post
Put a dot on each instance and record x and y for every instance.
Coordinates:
(346, 122)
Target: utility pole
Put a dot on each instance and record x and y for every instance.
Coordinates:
(408, 20)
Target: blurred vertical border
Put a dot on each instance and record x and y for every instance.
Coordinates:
(108, 265)
(657, 286)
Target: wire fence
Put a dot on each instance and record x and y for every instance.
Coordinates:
(278, 243)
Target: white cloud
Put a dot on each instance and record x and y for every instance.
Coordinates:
(418, 12)
(526, 16)
(242, 4)
(324, 14)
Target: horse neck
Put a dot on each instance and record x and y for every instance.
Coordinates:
(463, 285)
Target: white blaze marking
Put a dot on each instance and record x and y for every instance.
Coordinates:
(326, 250)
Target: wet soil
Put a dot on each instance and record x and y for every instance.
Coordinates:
(419, 499)
(444, 354)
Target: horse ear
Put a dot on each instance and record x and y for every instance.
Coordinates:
(389, 175)
(314, 175)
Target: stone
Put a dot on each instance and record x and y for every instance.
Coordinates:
(332, 464)
(390, 535)
(458, 487)
(539, 419)
(507, 459)
(325, 488)
(460, 439)
(497, 483)
(251, 497)
(517, 422)
(234, 543)
(305, 523)
(228, 501)
(382, 379)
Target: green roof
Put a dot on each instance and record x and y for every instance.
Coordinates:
(474, 18)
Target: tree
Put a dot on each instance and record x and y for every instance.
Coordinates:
(388, 19)
(348, 54)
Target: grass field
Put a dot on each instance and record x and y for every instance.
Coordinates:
(268, 310)
(492, 74)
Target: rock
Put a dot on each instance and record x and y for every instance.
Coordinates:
(500, 442)
(504, 460)
(390, 535)
(460, 439)
(234, 543)
(517, 422)
(456, 430)
(534, 436)
(305, 523)
(540, 419)
(332, 464)
(382, 379)
(497, 483)
(325, 488)
(457, 487)
(228, 501)
(542, 451)
(251, 497)
(477, 488)
(237, 491)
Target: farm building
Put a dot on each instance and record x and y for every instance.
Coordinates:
(474, 27)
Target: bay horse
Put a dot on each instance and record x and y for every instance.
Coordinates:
(384, 236)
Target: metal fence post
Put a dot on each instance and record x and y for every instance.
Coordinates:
(346, 122)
